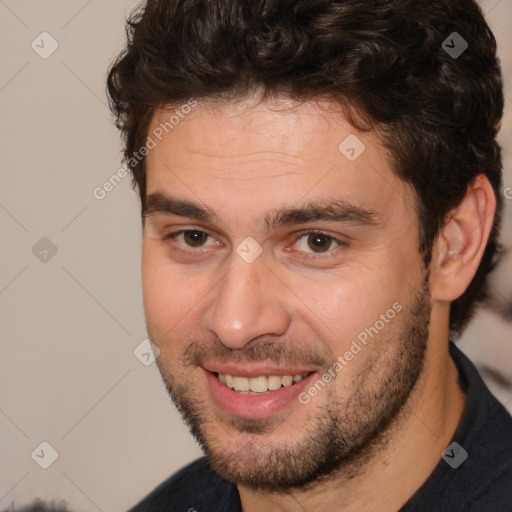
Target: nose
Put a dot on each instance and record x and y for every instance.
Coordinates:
(247, 303)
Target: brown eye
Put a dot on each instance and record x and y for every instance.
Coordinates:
(319, 243)
(195, 238)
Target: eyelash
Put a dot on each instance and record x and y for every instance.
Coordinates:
(298, 236)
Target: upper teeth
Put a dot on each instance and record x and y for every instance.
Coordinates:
(259, 384)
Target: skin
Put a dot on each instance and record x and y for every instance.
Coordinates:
(242, 160)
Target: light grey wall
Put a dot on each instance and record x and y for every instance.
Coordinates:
(67, 372)
(70, 323)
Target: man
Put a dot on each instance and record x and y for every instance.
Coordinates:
(320, 190)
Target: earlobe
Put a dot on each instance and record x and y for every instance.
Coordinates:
(461, 242)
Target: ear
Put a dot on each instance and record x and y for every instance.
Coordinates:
(461, 242)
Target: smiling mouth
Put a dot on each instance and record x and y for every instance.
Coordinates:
(261, 384)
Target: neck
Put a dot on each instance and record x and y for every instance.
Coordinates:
(410, 450)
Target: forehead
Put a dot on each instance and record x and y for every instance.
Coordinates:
(280, 150)
(279, 126)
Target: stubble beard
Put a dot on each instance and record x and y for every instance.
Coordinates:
(340, 437)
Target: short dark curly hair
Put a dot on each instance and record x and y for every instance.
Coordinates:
(437, 114)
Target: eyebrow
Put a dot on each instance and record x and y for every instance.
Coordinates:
(162, 203)
(337, 210)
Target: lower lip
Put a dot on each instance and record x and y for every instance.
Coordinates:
(254, 406)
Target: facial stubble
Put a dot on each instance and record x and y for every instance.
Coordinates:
(340, 436)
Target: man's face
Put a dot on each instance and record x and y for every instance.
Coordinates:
(291, 259)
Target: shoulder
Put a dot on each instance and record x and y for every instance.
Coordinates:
(485, 433)
(482, 480)
(192, 488)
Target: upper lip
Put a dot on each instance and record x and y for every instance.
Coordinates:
(254, 370)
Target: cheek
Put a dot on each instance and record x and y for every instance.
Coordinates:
(348, 305)
(170, 298)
